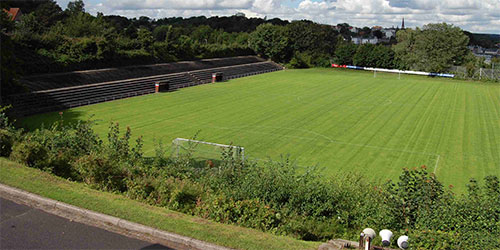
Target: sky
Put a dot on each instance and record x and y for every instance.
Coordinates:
(478, 16)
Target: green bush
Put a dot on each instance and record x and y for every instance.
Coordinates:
(185, 195)
(30, 152)
(145, 188)
(8, 134)
(101, 172)
(299, 61)
(306, 228)
(161, 193)
(441, 240)
(6, 142)
(249, 213)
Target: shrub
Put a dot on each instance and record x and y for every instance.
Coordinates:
(101, 172)
(30, 152)
(162, 192)
(8, 134)
(6, 142)
(249, 213)
(428, 239)
(416, 192)
(300, 61)
(307, 228)
(185, 195)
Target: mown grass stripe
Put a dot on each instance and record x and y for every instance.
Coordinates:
(342, 120)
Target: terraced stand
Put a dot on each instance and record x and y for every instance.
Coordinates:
(77, 78)
(46, 100)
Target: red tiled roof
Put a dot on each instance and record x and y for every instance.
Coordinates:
(13, 12)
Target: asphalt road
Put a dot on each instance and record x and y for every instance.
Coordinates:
(22, 227)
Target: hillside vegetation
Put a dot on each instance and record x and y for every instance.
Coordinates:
(47, 39)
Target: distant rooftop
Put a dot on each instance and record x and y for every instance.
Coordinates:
(14, 13)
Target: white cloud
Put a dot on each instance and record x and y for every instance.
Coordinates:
(472, 15)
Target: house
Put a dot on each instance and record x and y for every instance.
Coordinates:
(481, 52)
(360, 40)
(14, 14)
(491, 52)
(476, 49)
(388, 33)
(356, 40)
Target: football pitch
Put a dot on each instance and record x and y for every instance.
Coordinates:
(339, 120)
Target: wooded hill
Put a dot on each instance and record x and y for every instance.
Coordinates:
(47, 39)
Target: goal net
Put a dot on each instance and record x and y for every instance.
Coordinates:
(202, 150)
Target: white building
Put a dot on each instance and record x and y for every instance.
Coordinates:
(360, 40)
(388, 33)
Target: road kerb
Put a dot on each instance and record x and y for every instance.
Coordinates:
(108, 222)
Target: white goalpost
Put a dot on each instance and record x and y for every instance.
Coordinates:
(205, 150)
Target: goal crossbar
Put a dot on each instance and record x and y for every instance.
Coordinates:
(240, 149)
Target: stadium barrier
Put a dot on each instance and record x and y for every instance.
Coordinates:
(409, 72)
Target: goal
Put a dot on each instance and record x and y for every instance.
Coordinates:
(203, 150)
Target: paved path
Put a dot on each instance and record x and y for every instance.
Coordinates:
(23, 227)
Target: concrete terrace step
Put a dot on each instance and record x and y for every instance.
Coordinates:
(77, 78)
(73, 96)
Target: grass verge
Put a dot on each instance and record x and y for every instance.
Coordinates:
(47, 185)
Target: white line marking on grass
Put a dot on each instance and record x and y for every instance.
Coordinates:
(437, 163)
(338, 141)
(328, 139)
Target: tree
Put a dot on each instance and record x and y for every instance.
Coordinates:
(345, 51)
(29, 25)
(270, 41)
(8, 61)
(145, 38)
(83, 24)
(344, 29)
(366, 32)
(302, 35)
(404, 49)
(433, 48)
(495, 62)
(384, 57)
(365, 56)
(161, 33)
(378, 34)
(75, 7)
(202, 34)
(312, 37)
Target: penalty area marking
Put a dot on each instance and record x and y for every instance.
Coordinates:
(319, 135)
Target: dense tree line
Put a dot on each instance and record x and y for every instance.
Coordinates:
(48, 39)
(435, 47)
(484, 40)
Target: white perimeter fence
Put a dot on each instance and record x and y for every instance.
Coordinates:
(478, 74)
(454, 72)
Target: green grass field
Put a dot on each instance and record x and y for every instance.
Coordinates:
(340, 120)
